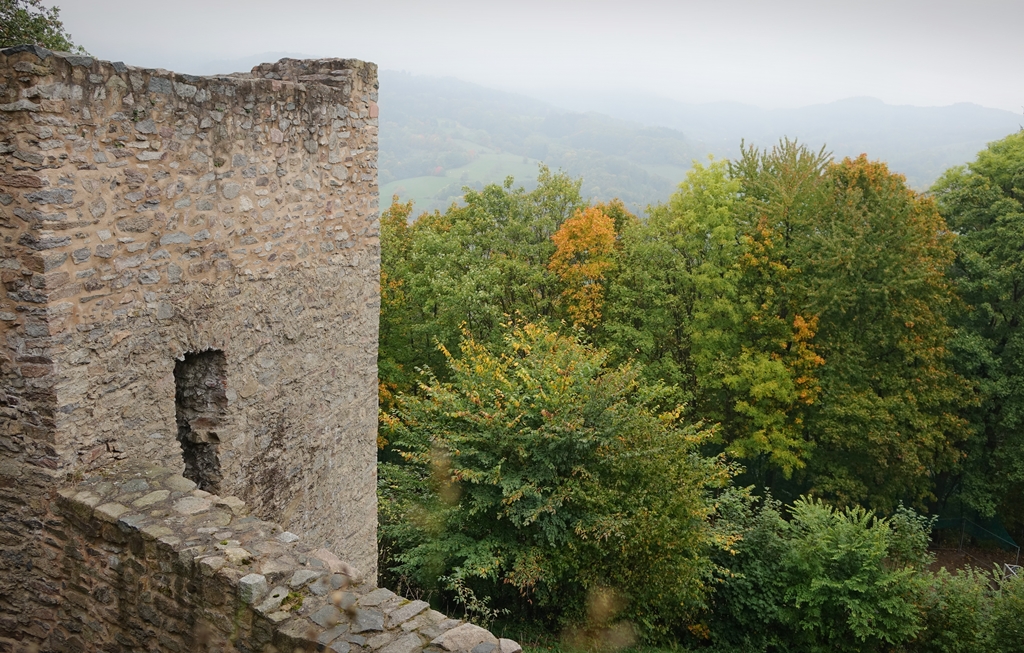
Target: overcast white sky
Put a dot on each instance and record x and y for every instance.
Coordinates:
(770, 54)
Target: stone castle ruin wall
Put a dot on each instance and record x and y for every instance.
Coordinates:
(154, 564)
(190, 270)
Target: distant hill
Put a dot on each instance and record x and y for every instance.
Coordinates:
(920, 142)
(440, 134)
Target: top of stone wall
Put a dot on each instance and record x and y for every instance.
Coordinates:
(302, 135)
(336, 73)
(299, 595)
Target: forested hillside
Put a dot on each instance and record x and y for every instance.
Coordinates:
(440, 134)
(725, 423)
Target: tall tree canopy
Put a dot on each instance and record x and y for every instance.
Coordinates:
(692, 305)
(983, 203)
(865, 260)
(469, 268)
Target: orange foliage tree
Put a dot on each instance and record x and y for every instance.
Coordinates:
(584, 254)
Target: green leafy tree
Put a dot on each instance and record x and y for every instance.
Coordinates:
(984, 204)
(874, 269)
(472, 266)
(698, 303)
(538, 476)
(396, 348)
(865, 258)
(30, 22)
(957, 612)
(842, 592)
(1007, 632)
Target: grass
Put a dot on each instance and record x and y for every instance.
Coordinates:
(439, 191)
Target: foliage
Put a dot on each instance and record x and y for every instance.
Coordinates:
(584, 249)
(864, 258)
(1007, 632)
(538, 474)
(30, 22)
(675, 269)
(805, 310)
(957, 612)
(701, 301)
(984, 204)
(469, 267)
(840, 593)
(825, 580)
(396, 313)
(972, 610)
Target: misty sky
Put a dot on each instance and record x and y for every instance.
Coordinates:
(770, 54)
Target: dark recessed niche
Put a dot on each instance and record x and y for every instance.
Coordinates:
(200, 402)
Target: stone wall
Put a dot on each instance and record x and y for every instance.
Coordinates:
(146, 216)
(150, 563)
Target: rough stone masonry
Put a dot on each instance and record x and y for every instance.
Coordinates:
(190, 270)
(153, 563)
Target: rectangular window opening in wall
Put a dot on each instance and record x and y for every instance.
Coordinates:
(200, 402)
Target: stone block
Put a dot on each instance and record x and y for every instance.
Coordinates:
(509, 646)
(406, 612)
(376, 597)
(409, 643)
(464, 638)
(252, 588)
(110, 512)
(367, 620)
(303, 577)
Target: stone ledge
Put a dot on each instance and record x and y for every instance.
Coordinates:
(322, 72)
(294, 595)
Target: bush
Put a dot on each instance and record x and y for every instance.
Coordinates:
(541, 479)
(1007, 632)
(957, 611)
(826, 580)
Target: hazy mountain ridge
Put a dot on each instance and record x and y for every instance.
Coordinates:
(439, 134)
(920, 142)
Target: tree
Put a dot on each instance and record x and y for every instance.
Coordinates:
(678, 263)
(863, 259)
(396, 347)
(538, 475)
(701, 305)
(584, 254)
(29, 22)
(874, 271)
(984, 204)
(472, 266)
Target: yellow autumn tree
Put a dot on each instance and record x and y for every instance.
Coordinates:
(584, 253)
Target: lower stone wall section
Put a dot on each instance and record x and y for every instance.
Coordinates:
(145, 561)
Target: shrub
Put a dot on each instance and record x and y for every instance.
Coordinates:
(827, 579)
(957, 612)
(540, 477)
(1007, 632)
